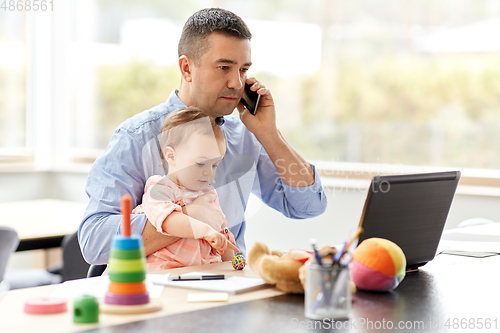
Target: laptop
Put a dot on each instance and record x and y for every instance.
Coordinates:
(411, 211)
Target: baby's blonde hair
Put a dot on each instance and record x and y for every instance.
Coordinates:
(178, 125)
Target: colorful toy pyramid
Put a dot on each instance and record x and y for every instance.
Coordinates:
(127, 270)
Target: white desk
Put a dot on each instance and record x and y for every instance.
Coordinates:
(41, 224)
(174, 301)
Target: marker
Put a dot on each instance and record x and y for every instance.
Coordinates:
(316, 253)
(323, 295)
(336, 258)
(196, 277)
(350, 241)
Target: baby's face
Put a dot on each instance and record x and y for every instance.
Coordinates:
(196, 161)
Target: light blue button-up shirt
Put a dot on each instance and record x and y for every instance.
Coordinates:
(134, 154)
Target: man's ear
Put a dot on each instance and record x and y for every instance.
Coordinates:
(169, 155)
(186, 65)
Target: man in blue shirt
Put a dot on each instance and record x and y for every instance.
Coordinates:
(214, 57)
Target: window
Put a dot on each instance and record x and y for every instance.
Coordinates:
(365, 81)
(409, 82)
(122, 60)
(13, 140)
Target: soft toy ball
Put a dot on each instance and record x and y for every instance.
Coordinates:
(378, 265)
(239, 262)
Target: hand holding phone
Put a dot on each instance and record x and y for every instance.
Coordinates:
(250, 99)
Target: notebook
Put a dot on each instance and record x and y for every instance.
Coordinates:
(411, 211)
(231, 284)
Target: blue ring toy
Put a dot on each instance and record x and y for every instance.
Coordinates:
(127, 243)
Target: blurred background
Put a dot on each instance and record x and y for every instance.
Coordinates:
(362, 87)
(404, 82)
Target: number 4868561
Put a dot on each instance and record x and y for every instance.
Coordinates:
(27, 5)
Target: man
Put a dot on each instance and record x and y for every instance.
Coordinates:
(214, 57)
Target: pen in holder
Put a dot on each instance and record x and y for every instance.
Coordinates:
(327, 292)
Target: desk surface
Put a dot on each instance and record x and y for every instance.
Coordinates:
(41, 223)
(13, 319)
(450, 287)
(453, 288)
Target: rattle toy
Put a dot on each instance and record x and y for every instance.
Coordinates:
(239, 262)
(85, 310)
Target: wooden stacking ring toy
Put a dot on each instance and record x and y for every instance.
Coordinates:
(127, 292)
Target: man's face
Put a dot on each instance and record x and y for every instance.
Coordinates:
(218, 79)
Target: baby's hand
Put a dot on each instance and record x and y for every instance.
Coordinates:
(219, 242)
(229, 235)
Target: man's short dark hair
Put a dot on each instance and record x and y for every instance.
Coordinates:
(200, 25)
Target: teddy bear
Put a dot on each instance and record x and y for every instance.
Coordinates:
(377, 265)
(286, 271)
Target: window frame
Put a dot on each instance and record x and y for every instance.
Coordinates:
(48, 124)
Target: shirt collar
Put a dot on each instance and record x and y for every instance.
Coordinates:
(220, 121)
(175, 102)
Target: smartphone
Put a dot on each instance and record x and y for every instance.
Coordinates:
(250, 99)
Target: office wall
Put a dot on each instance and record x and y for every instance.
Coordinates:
(264, 224)
(19, 186)
(33, 185)
(342, 216)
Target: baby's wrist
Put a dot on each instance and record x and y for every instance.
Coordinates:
(201, 230)
(190, 210)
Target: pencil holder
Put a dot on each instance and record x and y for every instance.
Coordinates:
(327, 292)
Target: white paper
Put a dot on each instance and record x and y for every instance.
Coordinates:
(491, 247)
(231, 284)
(490, 229)
(97, 287)
(207, 297)
(478, 239)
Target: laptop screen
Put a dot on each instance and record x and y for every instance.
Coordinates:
(411, 211)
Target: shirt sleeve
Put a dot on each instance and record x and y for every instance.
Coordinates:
(291, 201)
(150, 182)
(158, 203)
(119, 171)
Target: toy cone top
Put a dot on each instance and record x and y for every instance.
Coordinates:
(126, 210)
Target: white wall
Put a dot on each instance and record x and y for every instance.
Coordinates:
(27, 185)
(342, 216)
(264, 224)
